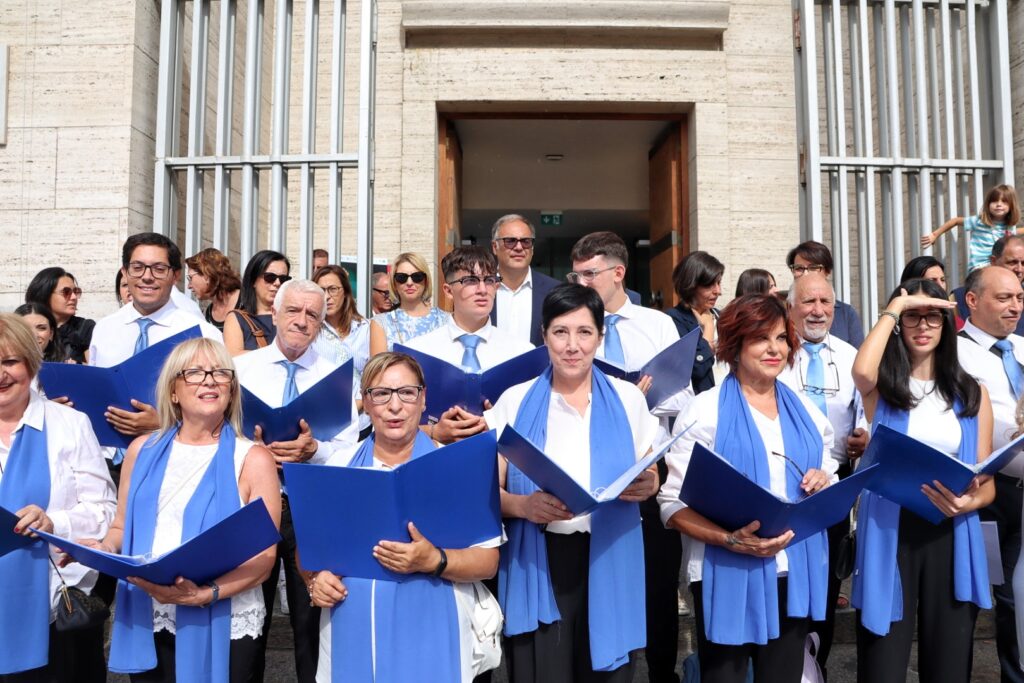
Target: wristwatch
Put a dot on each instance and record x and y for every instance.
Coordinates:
(443, 564)
(216, 591)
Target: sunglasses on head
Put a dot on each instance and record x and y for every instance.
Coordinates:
(66, 292)
(419, 277)
(271, 278)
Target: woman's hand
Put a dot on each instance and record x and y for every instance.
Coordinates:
(543, 508)
(181, 592)
(856, 443)
(419, 555)
(326, 590)
(814, 481)
(747, 543)
(906, 302)
(32, 517)
(644, 384)
(642, 488)
(952, 505)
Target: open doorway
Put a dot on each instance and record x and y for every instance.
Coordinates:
(570, 175)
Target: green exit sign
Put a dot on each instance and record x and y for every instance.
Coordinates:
(553, 218)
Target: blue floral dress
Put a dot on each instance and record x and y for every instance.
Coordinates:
(400, 327)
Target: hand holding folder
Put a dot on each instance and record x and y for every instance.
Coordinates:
(449, 385)
(670, 369)
(723, 494)
(326, 407)
(93, 389)
(8, 539)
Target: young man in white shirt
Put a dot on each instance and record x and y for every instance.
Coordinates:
(468, 339)
(521, 292)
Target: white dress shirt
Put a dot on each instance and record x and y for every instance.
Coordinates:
(703, 413)
(82, 499)
(113, 339)
(496, 346)
(845, 408)
(261, 372)
(568, 435)
(186, 302)
(515, 309)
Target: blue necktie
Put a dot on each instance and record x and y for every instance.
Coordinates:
(291, 390)
(469, 360)
(612, 342)
(814, 387)
(1010, 366)
(142, 343)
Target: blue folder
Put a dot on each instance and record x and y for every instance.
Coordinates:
(449, 385)
(8, 539)
(723, 494)
(93, 389)
(670, 369)
(907, 464)
(227, 544)
(340, 513)
(551, 478)
(326, 407)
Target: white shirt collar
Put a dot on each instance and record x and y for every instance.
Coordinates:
(827, 341)
(455, 331)
(158, 316)
(35, 413)
(979, 335)
(626, 310)
(526, 284)
(306, 360)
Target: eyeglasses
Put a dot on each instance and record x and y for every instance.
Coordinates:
(913, 319)
(511, 242)
(159, 270)
(800, 270)
(475, 280)
(381, 395)
(792, 462)
(419, 277)
(812, 390)
(586, 275)
(382, 292)
(333, 290)
(67, 292)
(198, 375)
(271, 278)
(193, 274)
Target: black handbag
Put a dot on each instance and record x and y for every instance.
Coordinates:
(846, 553)
(76, 609)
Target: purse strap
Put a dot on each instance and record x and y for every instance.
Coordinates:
(256, 330)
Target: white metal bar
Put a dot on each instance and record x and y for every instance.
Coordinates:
(225, 111)
(868, 309)
(893, 254)
(812, 228)
(923, 121)
(337, 129)
(311, 38)
(972, 71)
(268, 161)
(841, 230)
(367, 97)
(279, 127)
(999, 57)
(196, 126)
(163, 183)
(912, 177)
(950, 252)
(250, 130)
(910, 163)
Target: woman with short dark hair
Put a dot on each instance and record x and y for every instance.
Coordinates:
(44, 327)
(698, 283)
(755, 281)
(57, 290)
(927, 267)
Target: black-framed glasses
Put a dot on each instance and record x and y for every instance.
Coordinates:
(792, 463)
(912, 319)
(159, 270)
(382, 292)
(419, 277)
(333, 290)
(475, 280)
(381, 395)
(588, 275)
(68, 292)
(271, 278)
(813, 268)
(511, 242)
(198, 375)
(829, 390)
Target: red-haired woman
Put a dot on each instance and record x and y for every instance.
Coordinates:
(754, 597)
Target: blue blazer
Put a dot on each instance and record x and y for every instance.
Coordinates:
(846, 325)
(542, 284)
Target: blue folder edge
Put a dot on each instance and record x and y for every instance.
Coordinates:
(326, 407)
(670, 369)
(8, 539)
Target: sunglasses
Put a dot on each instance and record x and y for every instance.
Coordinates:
(66, 292)
(271, 278)
(419, 277)
(511, 242)
(382, 292)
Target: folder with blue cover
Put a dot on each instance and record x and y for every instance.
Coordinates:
(723, 494)
(907, 464)
(93, 389)
(340, 513)
(326, 407)
(449, 385)
(227, 544)
(551, 478)
(670, 369)
(8, 539)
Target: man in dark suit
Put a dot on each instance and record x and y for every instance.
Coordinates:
(517, 305)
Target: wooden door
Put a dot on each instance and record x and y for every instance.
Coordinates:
(670, 232)
(449, 183)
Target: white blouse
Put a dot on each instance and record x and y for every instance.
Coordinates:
(185, 468)
(932, 421)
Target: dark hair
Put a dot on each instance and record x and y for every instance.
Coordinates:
(813, 252)
(950, 379)
(918, 266)
(53, 352)
(152, 239)
(469, 258)
(320, 253)
(568, 297)
(1000, 246)
(117, 287)
(257, 265)
(697, 269)
(754, 281)
(217, 269)
(603, 243)
(751, 315)
(43, 285)
(348, 305)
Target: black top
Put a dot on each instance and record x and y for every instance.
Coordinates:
(219, 324)
(264, 322)
(74, 337)
(703, 376)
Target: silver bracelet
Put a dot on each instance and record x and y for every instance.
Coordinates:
(895, 318)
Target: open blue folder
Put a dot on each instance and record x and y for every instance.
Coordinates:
(670, 368)
(551, 478)
(907, 464)
(8, 539)
(723, 494)
(340, 513)
(449, 385)
(92, 389)
(326, 407)
(227, 544)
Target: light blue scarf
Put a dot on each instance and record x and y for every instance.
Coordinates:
(25, 572)
(877, 590)
(414, 624)
(616, 583)
(740, 592)
(203, 634)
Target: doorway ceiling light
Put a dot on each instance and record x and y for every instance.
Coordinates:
(553, 157)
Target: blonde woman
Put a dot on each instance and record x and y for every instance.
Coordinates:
(414, 315)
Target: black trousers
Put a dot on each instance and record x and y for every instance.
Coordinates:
(780, 660)
(826, 629)
(1005, 511)
(663, 551)
(560, 652)
(241, 668)
(945, 626)
(304, 618)
(73, 657)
